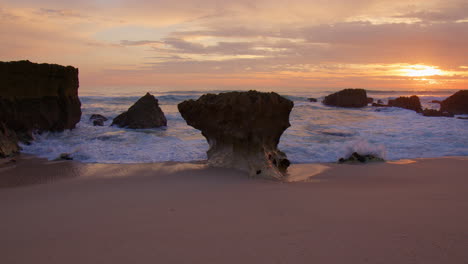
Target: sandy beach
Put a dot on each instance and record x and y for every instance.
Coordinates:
(403, 212)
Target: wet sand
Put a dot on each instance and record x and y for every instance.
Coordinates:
(405, 212)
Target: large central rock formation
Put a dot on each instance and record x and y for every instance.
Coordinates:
(36, 98)
(243, 130)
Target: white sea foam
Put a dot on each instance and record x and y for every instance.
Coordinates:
(318, 133)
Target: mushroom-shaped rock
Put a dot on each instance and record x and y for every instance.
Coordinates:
(456, 103)
(411, 103)
(145, 113)
(347, 98)
(243, 130)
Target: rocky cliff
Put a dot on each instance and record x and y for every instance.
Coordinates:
(38, 97)
(243, 130)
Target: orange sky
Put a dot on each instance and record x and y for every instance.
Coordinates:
(183, 44)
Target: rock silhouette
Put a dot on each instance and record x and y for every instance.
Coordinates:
(145, 113)
(437, 113)
(38, 97)
(358, 158)
(98, 120)
(347, 98)
(456, 103)
(411, 103)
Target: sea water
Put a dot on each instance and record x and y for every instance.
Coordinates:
(318, 133)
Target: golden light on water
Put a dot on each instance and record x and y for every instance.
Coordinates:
(421, 71)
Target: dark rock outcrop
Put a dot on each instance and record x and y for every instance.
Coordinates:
(98, 120)
(64, 156)
(456, 103)
(379, 105)
(243, 130)
(145, 113)
(433, 112)
(347, 98)
(358, 158)
(370, 100)
(411, 103)
(8, 142)
(313, 100)
(38, 97)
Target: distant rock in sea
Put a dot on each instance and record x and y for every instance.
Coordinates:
(38, 97)
(370, 100)
(347, 98)
(98, 120)
(64, 156)
(358, 158)
(243, 130)
(411, 103)
(437, 113)
(456, 103)
(313, 100)
(145, 113)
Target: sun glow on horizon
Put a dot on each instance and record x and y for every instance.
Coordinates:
(421, 71)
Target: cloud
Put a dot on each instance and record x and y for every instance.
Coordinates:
(452, 11)
(303, 40)
(63, 13)
(138, 42)
(5, 15)
(346, 42)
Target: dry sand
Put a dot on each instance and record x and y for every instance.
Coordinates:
(187, 213)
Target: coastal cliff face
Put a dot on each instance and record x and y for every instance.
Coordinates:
(38, 97)
(243, 130)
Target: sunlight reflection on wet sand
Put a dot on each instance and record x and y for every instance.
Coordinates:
(401, 162)
(305, 172)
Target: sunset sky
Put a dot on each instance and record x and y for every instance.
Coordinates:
(182, 44)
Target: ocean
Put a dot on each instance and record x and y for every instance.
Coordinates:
(318, 133)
